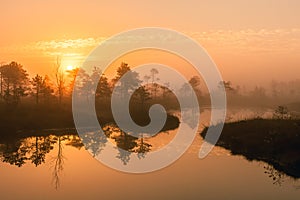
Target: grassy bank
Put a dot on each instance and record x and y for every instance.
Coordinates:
(276, 142)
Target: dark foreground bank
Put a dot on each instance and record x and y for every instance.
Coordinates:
(42, 121)
(276, 142)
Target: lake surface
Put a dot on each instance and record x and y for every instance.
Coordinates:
(59, 167)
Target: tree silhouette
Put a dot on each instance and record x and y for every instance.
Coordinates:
(185, 90)
(72, 75)
(60, 80)
(259, 92)
(82, 86)
(274, 88)
(154, 72)
(166, 90)
(142, 95)
(147, 78)
(1, 83)
(46, 89)
(37, 83)
(41, 88)
(195, 82)
(15, 81)
(103, 89)
(127, 83)
(228, 86)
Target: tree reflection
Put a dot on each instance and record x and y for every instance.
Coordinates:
(58, 161)
(42, 146)
(94, 142)
(75, 141)
(15, 154)
(34, 149)
(276, 176)
(142, 148)
(126, 144)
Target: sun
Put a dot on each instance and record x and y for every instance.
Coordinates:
(70, 68)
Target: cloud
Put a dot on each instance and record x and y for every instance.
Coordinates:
(269, 41)
(249, 40)
(79, 43)
(67, 47)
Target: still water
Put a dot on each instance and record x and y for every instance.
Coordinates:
(57, 166)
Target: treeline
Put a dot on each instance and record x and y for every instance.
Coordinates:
(17, 86)
(40, 102)
(45, 101)
(277, 93)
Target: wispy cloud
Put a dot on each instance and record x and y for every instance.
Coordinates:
(52, 47)
(237, 41)
(67, 44)
(258, 41)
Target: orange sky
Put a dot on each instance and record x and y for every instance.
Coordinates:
(252, 42)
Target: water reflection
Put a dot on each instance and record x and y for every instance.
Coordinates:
(57, 162)
(95, 143)
(34, 149)
(276, 176)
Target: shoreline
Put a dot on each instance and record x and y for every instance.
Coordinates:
(274, 141)
(41, 124)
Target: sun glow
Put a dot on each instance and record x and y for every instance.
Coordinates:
(70, 68)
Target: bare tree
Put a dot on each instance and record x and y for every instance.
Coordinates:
(60, 80)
